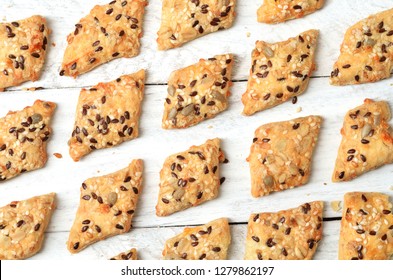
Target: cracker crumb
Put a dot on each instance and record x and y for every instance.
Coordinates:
(325, 184)
(58, 155)
(298, 109)
(210, 126)
(248, 34)
(53, 44)
(336, 205)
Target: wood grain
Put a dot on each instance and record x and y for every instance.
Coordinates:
(150, 243)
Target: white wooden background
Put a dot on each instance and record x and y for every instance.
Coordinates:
(149, 232)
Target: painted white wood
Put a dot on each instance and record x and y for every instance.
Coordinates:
(150, 243)
(64, 177)
(332, 21)
(155, 144)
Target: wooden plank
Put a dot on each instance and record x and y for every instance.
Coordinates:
(150, 242)
(332, 21)
(64, 177)
(155, 144)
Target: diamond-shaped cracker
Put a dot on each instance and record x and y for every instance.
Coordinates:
(206, 242)
(275, 11)
(185, 20)
(366, 227)
(279, 71)
(107, 205)
(22, 50)
(23, 138)
(108, 32)
(22, 226)
(190, 178)
(107, 114)
(366, 52)
(129, 255)
(367, 141)
(198, 92)
(291, 234)
(281, 153)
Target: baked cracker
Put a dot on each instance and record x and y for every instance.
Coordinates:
(23, 138)
(366, 52)
(367, 141)
(22, 50)
(129, 255)
(107, 114)
(276, 11)
(198, 92)
(279, 71)
(292, 234)
(366, 227)
(22, 226)
(190, 178)
(206, 242)
(281, 153)
(108, 32)
(107, 205)
(184, 20)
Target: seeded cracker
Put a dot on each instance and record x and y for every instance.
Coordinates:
(22, 226)
(367, 141)
(108, 32)
(185, 20)
(281, 153)
(276, 11)
(107, 115)
(129, 255)
(279, 71)
(23, 138)
(107, 205)
(291, 234)
(366, 227)
(366, 52)
(190, 178)
(22, 50)
(198, 92)
(206, 242)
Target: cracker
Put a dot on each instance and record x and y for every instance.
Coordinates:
(206, 242)
(279, 71)
(198, 92)
(190, 178)
(107, 115)
(366, 227)
(184, 20)
(23, 138)
(129, 255)
(281, 153)
(366, 52)
(276, 11)
(22, 226)
(22, 50)
(367, 141)
(107, 205)
(108, 32)
(292, 234)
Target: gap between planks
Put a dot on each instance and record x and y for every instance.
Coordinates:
(328, 219)
(146, 84)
